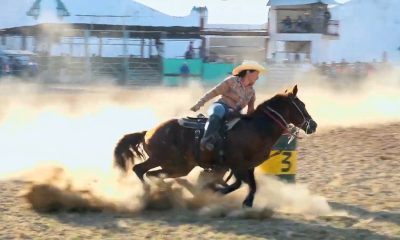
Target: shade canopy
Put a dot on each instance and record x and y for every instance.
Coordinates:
(18, 13)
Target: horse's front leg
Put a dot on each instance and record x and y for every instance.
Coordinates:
(250, 180)
(212, 179)
(230, 188)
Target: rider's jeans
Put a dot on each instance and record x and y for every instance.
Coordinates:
(217, 109)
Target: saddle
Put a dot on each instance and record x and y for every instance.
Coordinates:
(198, 124)
(200, 121)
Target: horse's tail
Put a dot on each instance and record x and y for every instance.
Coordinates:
(128, 147)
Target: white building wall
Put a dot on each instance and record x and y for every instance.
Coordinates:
(367, 29)
(272, 21)
(319, 44)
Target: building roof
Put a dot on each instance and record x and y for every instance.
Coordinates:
(116, 12)
(298, 2)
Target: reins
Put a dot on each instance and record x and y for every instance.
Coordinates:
(287, 129)
(282, 123)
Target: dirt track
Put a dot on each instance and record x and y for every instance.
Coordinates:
(356, 169)
(353, 169)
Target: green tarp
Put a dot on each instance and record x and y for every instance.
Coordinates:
(209, 73)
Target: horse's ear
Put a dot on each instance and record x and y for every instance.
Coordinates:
(286, 91)
(294, 91)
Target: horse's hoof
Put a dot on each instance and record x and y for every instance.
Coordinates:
(221, 190)
(206, 146)
(247, 204)
(209, 147)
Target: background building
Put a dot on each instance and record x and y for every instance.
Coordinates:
(368, 31)
(300, 30)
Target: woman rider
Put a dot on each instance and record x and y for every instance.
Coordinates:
(236, 92)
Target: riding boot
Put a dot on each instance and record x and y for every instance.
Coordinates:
(211, 133)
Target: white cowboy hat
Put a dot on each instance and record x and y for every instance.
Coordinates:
(248, 65)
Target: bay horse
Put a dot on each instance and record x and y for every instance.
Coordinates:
(248, 144)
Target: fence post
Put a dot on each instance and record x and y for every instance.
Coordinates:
(88, 64)
(282, 161)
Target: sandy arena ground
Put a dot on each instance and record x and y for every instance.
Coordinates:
(347, 178)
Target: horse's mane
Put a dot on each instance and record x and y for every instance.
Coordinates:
(260, 107)
(268, 102)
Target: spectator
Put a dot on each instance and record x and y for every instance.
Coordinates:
(159, 47)
(34, 69)
(17, 67)
(6, 68)
(189, 54)
(191, 48)
(287, 24)
(14, 65)
(307, 23)
(327, 17)
(299, 24)
(297, 58)
(185, 73)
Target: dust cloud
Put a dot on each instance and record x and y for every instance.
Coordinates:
(351, 102)
(75, 128)
(56, 189)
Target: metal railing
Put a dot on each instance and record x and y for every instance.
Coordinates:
(80, 69)
(330, 27)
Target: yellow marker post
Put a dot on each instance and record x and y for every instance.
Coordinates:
(282, 160)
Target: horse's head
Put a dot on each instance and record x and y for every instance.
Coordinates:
(298, 114)
(288, 108)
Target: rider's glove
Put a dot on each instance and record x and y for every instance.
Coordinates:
(195, 108)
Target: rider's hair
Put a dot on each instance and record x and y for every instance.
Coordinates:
(243, 73)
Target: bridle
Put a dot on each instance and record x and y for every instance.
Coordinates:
(306, 121)
(287, 128)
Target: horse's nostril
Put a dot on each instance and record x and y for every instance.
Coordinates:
(312, 127)
(313, 124)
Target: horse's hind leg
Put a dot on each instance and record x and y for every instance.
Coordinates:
(141, 168)
(156, 173)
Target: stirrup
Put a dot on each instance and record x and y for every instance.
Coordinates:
(206, 144)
